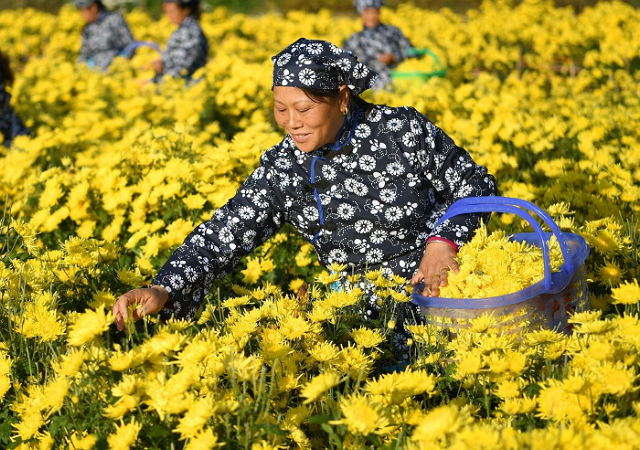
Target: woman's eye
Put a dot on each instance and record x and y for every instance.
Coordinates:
(303, 110)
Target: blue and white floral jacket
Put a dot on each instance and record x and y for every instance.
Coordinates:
(370, 201)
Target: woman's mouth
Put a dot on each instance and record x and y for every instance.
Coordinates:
(300, 137)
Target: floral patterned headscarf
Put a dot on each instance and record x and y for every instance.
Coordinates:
(320, 65)
(84, 3)
(361, 5)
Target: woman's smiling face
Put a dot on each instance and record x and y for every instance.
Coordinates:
(310, 123)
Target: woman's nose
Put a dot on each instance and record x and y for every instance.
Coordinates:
(294, 119)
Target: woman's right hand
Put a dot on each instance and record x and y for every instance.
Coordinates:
(147, 301)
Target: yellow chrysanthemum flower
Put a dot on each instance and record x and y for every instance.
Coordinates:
(508, 389)
(253, 272)
(318, 385)
(610, 274)
(328, 278)
(122, 406)
(296, 284)
(439, 422)
(204, 440)
(70, 363)
(492, 265)
(196, 417)
(366, 337)
(362, 416)
(555, 403)
(396, 387)
(102, 299)
(324, 351)
(86, 442)
(5, 368)
(354, 362)
(88, 326)
(627, 293)
(294, 327)
(125, 436)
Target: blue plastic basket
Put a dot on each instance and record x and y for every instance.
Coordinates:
(545, 304)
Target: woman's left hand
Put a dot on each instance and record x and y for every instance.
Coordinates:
(157, 66)
(387, 58)
(439, 257)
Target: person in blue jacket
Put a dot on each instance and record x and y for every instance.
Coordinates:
(10, 124)
(187, 47)
(365, 184)
(380, 46)
(105, 35)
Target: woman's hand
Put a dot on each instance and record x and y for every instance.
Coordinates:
(387, 58)
(157, 66)
(149, 301)
(439, 258)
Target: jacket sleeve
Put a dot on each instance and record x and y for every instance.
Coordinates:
(84, 48)
(5, 114)
(121, 32)
(404, 45)
(216, 246)
(355, 45)
(10, 124)
(185, 52)
(453, 174)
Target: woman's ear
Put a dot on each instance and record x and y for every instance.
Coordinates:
(344, 96)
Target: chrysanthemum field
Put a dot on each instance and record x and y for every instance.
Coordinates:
(119, 170)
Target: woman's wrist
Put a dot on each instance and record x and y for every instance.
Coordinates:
(445, 240)
(164, 294)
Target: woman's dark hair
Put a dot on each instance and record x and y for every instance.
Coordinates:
(5, 69)
(326, 96)
(194, 5)
(101, 6)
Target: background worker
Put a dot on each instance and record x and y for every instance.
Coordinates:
(105, 35)
(380, 46)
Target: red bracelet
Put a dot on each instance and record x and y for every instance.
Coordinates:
(446, 241)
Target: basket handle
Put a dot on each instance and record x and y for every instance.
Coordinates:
(439, 71)
(413, 51)
(520, 208)
(130, 49)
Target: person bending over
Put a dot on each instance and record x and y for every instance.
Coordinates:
(363, 183)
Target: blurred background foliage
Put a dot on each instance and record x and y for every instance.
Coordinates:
(258, 6)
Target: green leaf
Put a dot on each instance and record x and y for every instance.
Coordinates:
(269, 428)
(101, 443)
(57, 422)
(321, 418)
(5, 427)
(532, 390)
(157, 431)
(333, 437)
